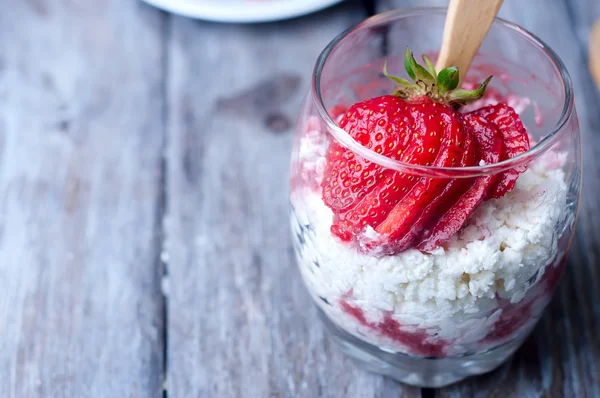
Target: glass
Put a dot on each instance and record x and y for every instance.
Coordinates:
(431, 319)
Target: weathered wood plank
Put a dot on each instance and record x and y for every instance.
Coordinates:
(559, 359)
(80, 150)
(240, 321)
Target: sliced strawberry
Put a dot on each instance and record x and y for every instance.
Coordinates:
(453, 189)
(515, 142)
(408, 217)
(383, 189)
(401, 227)
(449, 223)
(419, 124)
(376, 205)
(376, 124)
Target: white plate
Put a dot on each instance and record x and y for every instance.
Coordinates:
(242, 10)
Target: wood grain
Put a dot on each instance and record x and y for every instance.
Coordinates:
(80, 147)
(240, 321)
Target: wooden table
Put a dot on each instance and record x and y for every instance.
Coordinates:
(143, 210)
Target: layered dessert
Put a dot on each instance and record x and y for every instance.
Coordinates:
(423, 264)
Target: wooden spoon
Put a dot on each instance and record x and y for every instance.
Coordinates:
(594, 53)
(467, 23)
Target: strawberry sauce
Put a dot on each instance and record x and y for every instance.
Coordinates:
(513, 318)
(417, 342)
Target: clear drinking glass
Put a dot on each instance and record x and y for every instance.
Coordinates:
(430, 319)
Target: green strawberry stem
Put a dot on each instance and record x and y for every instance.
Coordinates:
(440, 87)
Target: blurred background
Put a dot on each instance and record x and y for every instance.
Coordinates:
(144, 156)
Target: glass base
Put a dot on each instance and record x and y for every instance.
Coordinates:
(419, 371)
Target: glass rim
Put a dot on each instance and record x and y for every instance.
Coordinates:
(437, 171)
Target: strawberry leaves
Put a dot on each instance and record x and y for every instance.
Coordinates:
(447, 80)
(439, 87)
(430, 67)
(402, 82)
(416, 71)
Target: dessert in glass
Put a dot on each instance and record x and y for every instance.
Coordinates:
(431, 223)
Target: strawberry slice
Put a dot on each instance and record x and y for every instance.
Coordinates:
(420, 125)
(417, 141)
(453, 189)
(490, 146)
(376, 124)
(515, 142)
(391, 189)
(406, 220)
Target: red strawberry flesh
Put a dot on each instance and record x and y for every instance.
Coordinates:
(453, 188)
(376, 125)
(404, 223)
(451, 222)
(414, 140)
(514, 139)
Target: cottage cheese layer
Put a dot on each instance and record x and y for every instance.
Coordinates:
(457, 297)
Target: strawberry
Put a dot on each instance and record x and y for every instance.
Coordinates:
(453, 189)
(377, 125)
(403, 224)
(392, 188)
(420, 125)
(447, 224)
(515, 142)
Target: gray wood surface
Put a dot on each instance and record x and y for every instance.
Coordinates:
(240, 321)
(135, 143)
(81, 133)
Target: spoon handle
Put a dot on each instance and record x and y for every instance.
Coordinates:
(467, 23)
(594, 51)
